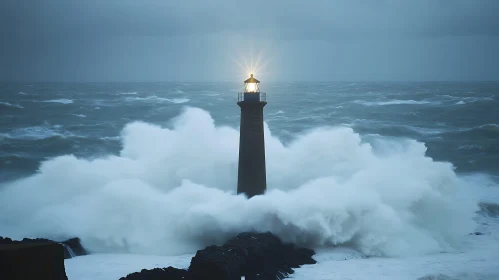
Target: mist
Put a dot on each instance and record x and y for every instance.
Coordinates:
(222, 40)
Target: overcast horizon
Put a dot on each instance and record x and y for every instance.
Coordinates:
(199, 41)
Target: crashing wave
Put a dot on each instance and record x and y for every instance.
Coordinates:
(172, 190)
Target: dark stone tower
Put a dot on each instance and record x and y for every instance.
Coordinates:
(252, 178)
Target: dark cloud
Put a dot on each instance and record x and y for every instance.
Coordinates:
(186, 39)
(322, 18)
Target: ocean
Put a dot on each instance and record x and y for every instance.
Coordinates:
(366, 169)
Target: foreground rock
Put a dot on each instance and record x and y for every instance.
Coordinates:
(169, 273)
(30, 261)
(252, 255)
(71, 247)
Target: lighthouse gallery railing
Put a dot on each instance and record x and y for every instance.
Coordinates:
(252, 96)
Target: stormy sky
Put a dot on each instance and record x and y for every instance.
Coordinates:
(218, 40)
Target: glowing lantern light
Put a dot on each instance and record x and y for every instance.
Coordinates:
(251, 85)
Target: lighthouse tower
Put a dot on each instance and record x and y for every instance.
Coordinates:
(252, 178)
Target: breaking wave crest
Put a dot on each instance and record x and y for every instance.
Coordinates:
(7, 104)
(178, 100)
(391, 102)
(36, 133)
(172, 191)
(61, 101)
(490, 130)
(156, 98)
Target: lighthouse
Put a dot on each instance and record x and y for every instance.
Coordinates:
(252, 178)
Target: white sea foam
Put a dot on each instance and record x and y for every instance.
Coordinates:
(153, 97)
(470, 147)
(468, 99)
(211, 94)
(172, 191)
(392, 102)
(178, 100)
(156, 99)
(477, 98)
(112, 138)
(34, 133)
(22, 93)
(476, 262)
(426, 130)
(11, 105)
(460, 103)
(61, 101)
(342, 262)
(490, 126)
(80, 115)
(127, 93)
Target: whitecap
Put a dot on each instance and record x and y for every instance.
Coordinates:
(156, 98)
(22, 93)
(490, 126)
(79, 115)
(460, 103)
(178, 100)
(33, 133)
(11, 105)
(472, 99)
(128, 93)
(61, 101)
(393, 102)
(112, 138)
(450, 96)
(470, 147)
(147, 98)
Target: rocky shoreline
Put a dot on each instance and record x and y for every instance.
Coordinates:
(251, 255)
(261, 256)
(72, 247)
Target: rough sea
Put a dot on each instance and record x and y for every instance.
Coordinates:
(382, 170)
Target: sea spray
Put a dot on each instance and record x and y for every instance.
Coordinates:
(69, 250)
(172, 190)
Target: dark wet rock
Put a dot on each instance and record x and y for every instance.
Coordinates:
(169, 273)
(31, 260)
(76, 247)
(72, 247)
(256, 256)
(435, 277)
(253, 255)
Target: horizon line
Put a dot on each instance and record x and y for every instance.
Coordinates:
(271, 81)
